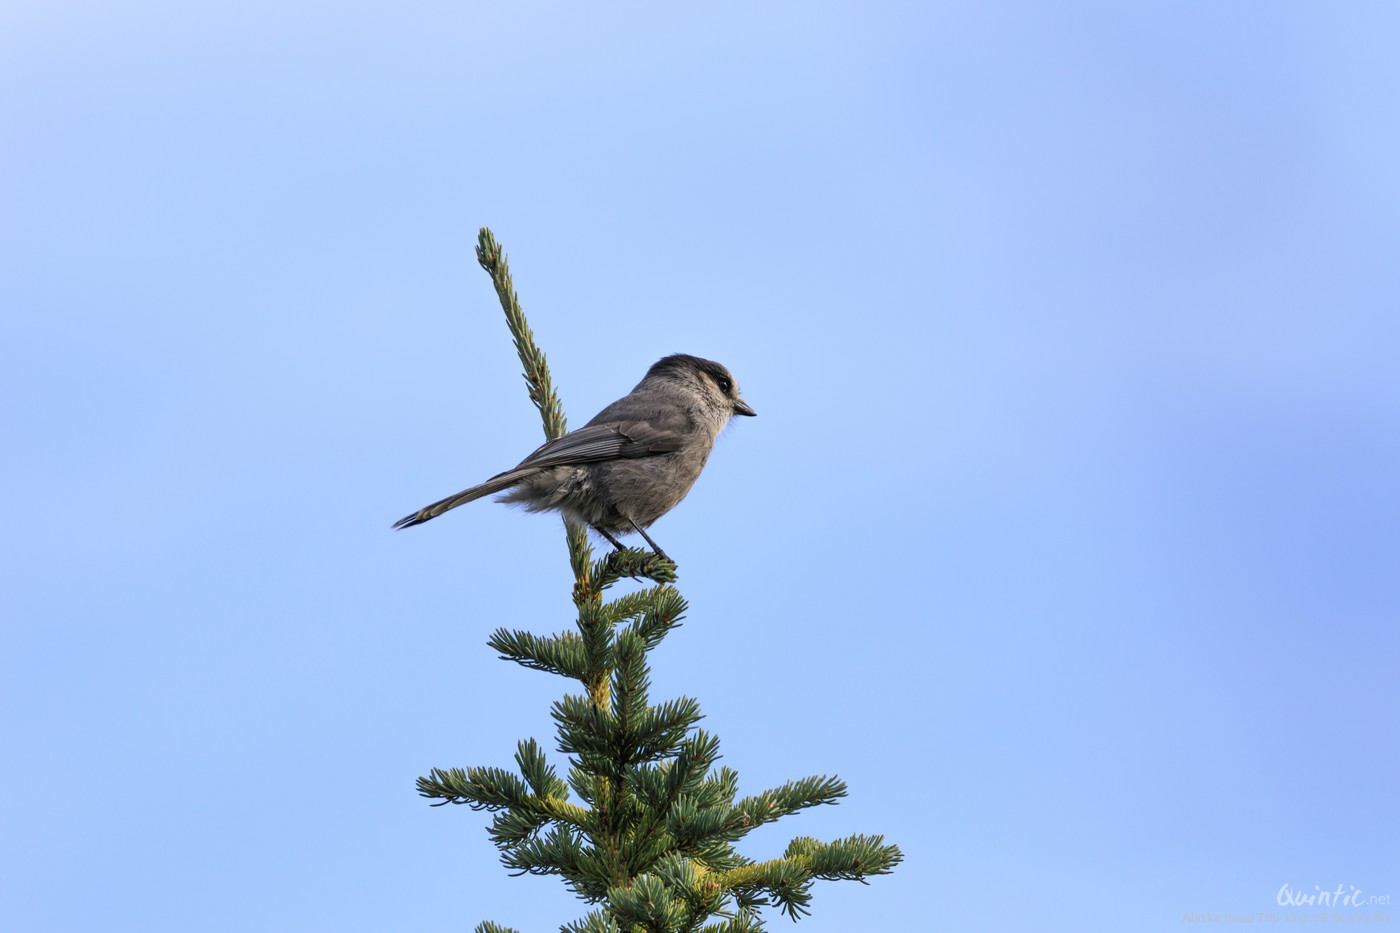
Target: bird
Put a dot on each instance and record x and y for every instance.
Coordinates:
(631, 464)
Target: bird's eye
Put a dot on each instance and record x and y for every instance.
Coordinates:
(725, 385)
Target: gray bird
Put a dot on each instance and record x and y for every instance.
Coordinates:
(631, 464)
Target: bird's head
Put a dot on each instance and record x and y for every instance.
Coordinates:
(714, 383)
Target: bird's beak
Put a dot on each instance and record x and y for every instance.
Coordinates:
(741, 408)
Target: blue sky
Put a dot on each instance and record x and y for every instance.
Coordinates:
(1067, 533)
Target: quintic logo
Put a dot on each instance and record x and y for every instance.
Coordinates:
(1344, 904)
(1344, 896)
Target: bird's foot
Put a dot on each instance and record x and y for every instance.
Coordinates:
(634, 563)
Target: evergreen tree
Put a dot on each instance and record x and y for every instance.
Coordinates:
(651, 838)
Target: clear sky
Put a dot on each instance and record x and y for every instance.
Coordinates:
(1068, 533)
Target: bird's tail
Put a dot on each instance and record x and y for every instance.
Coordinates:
(494, 484)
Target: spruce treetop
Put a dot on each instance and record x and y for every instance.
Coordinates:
(643, 826)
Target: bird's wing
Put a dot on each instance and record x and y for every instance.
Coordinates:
(612, 440)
